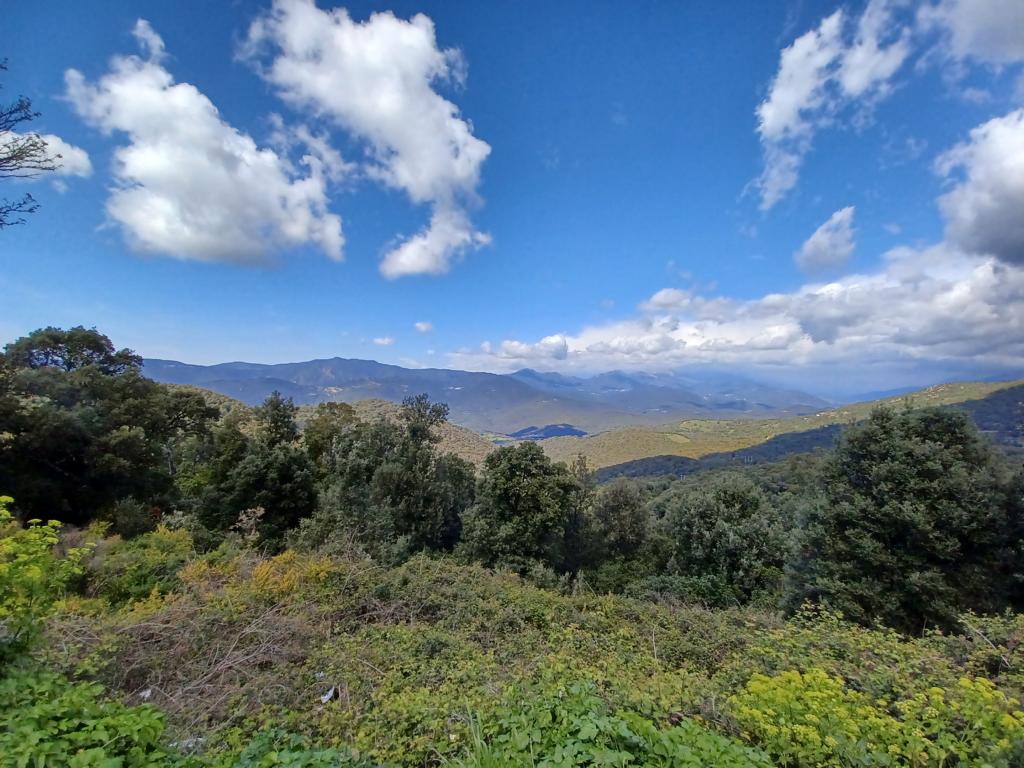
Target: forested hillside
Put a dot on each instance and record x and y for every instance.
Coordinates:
(696, 438)
(1000, 416)
(188, 581)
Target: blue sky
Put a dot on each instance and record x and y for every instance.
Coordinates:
(815, 193)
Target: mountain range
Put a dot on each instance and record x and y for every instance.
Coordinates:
(503, 403)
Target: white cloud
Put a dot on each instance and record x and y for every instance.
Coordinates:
(187, 183)
(799, 86)
(820, 73)
(432, 250)
(376, 80)
(68, 159)
(930, 306)
(831, 245)
(423, 326)
(986, 30)
(868, 63)
(985, 211)
(74, 161)
(955, 308)
(384, 341)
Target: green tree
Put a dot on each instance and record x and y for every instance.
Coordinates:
(914, 523)
(71, 350)
(620, 511)
(581, 545)
(275, 419)
(280, 480)
(521, 508)
(270, 471)
(390, 489)
(84, 428)
(325, 429)
(724, 529)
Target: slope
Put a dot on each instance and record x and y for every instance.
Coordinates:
(695, 438)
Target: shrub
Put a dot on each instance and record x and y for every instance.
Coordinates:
(131, 570)
(45, 720)
(814, 719)
(274, 748)
(130, 518)
(575, 728)
(32, 577)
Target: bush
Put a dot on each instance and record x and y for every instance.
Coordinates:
(130, 518)
(32, 577)
(814, 719)
(131, 570)
(575, 728)
(45, 720)
(274, 748)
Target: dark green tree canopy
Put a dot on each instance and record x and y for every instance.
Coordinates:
(724, 528)
(325, 429)
(276, 420)
(914, 523)
(83, 428)
(70, 350)
(521, 508)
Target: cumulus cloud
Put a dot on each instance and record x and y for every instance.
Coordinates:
(985, 30)
(984, 212)
(844, 61)
(955, 306)
(384, 341)
(423, 326)
(376, 80)
(432, 250)
(187, 183)
(831, 245)
(74, 161)
(931, 305)
(68, 159)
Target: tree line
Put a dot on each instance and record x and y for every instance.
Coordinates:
(912, 519)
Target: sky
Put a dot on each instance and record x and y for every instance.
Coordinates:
(817, 194)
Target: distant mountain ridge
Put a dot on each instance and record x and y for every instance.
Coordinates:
(502, 403)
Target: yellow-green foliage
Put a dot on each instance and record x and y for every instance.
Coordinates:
(436, 661)
(814, 719)
(880, 662)
(32, 577)
(574, 727)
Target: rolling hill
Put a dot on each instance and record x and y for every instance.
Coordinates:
(697, 438)
(502, 403)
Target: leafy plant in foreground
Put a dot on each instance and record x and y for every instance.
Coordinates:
(32, 577)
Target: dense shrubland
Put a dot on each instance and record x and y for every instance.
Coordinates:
(232, 590)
